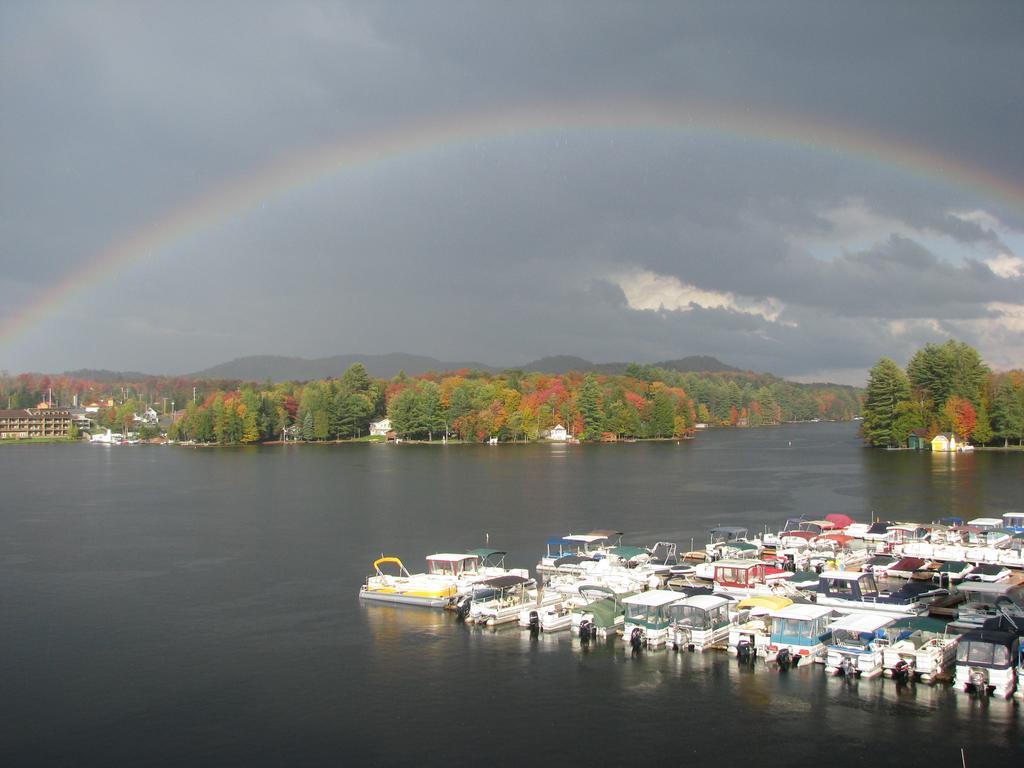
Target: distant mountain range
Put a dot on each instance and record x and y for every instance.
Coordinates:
(280, 368)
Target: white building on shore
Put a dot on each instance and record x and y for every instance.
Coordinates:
(559, 433)
(380, 428)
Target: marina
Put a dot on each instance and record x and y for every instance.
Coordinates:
(902, 617)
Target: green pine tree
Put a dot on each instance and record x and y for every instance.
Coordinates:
(887, 388)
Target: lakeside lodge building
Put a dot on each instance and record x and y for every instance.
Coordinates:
(26, 423)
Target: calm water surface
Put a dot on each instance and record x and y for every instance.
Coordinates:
(163, 606)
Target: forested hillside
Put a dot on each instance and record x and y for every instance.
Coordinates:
(643, 402)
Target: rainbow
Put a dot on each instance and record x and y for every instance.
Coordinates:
(299, 170)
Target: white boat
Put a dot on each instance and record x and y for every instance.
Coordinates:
(988, 573)
(856, 592)
(799, 632)
(510, 596)
(917, 646)
(751, 635)
(988, 660)
(431, 591)
(647, 619)
(746, 578)
(853, 650)
(700, 621)
(599, 613)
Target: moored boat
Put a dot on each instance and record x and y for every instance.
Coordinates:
(700, 621)
(799, 632)
(917, 646)
(647, 619)
(601, 612)
(751, 635)
(988, 659)
(853, 649)
(431, 591)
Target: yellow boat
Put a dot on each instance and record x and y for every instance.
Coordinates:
(429, 590)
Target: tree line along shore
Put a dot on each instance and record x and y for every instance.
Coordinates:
(467, 405)
(946, 389)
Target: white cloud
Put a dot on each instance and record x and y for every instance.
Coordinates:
(648, 290)
(982, 218)
(1006, 265)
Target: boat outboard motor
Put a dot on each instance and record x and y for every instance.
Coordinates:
(462, 606)
(636, 639)
(534, 623)
(846, 667)
(585, 628)
(744, 650)
(901, 669)
(784, 657)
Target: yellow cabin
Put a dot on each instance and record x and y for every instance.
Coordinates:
(945, 442)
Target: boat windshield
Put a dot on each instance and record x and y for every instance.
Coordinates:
(980, 652)
(648, 613)
(451, 567)
(691, 616)
(798, 631)
(851, 638)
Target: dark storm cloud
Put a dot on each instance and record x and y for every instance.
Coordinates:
(508, 248)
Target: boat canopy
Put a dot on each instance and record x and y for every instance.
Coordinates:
(654, 597)
(954, 566)
(628, 553)
(393, 560)
(706, 602)
(878, 528)
(862, 622)
(572, 560)
(825, 525)
(606, 533)
(486, 555)
(728, 532)
(951, 520)
(881, 559)
(839, 520)
(744, 564)
(843, 575)
(904, 627)
(988, 569)
(802, 612)
(504, 582)
(805, 535)
(767, 602)
(742, 546)
(451, 558)
(986, 522)
(839, 538)
(586, 538)
(908, 564)
(597, 590)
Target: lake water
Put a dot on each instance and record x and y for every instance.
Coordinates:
(168, 606)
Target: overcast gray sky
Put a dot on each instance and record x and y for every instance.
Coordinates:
(796, 252)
